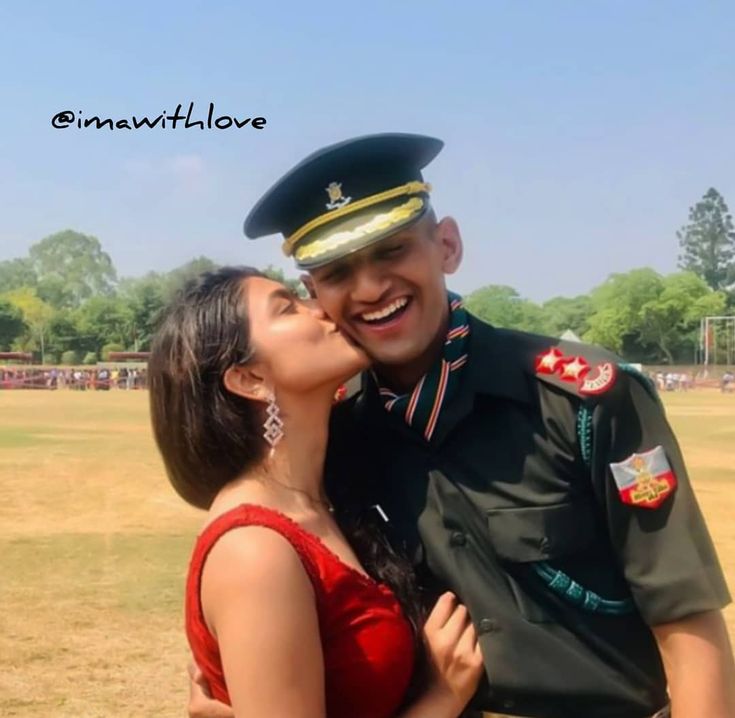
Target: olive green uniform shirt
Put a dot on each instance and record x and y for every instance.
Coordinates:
(513, 506)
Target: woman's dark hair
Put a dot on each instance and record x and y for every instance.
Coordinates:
(389, 566)
(207, 435)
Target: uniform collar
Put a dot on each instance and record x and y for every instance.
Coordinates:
(495, 367)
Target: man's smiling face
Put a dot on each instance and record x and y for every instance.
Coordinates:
(391, 297)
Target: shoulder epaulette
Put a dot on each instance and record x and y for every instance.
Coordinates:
(583, 370)
(580, 373)
(591, 374)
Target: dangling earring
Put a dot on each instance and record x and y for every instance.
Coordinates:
(273, 425)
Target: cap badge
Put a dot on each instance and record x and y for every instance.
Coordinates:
(645, 479)
(336, 198)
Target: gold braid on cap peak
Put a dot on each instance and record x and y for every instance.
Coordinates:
(376, 224)
(301, 232)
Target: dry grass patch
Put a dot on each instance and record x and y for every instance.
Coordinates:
(94, 545)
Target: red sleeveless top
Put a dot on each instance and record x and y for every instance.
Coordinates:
(367, 642)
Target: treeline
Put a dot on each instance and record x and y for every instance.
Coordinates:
(65, 303)
(641, 315)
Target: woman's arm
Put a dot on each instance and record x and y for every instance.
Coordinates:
(259, 603)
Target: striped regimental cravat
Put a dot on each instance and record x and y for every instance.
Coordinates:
(421, 407)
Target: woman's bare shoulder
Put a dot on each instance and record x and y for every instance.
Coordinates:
(260, 606)
(250, 555)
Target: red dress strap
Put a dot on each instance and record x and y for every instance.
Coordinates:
(253, 515)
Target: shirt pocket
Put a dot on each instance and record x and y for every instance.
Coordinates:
(528, 535)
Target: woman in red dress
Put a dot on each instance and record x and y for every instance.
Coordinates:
(281, 615)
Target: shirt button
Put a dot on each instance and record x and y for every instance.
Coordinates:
(487, 625)
(457, 539)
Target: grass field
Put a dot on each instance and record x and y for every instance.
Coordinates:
(94, 546)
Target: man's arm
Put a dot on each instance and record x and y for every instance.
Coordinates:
(666, 553)
(699, 665)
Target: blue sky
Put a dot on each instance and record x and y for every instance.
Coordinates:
(577, 134)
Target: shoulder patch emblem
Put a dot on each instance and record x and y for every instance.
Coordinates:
(645, 479)
(590, 380)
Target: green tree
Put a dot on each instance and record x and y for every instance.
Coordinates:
(502, 306)
(63, 333)
(669, 320)
(72, 267)
(16, 273)
(708, 241)
(177, 278)
(144, 297)
(55, 291)
(646, 317)
(562, 313)
(616, 319)
(70, 357)
(11, 324)
(103, 320)
(36, 315)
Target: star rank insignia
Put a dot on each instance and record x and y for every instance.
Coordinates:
(590, 380)
(547, 363)
(336, 198)
(645, 479)
(574, 369)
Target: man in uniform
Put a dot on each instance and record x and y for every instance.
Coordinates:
(538, 480)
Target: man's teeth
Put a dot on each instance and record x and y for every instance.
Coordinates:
(385, 311)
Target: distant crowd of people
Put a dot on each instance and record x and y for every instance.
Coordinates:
(674, 381)
(123, 378)
(727, 382)
(100, 379)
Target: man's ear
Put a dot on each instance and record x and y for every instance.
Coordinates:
(448, 235)
(308, 282)
(244, 382)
